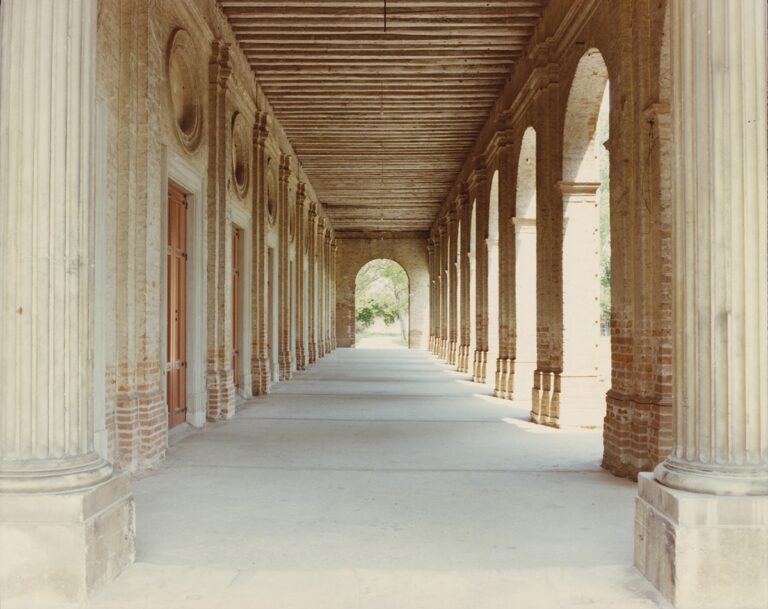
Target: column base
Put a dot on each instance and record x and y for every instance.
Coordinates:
(577, 401)
(221, 395)
(260, 376)
(60, 547)
(702, 551)
(505, 374)
(452, 352)
(542, 395)
(284, 360)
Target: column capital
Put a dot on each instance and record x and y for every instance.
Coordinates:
(301, 195)
(220, 66)
(261, 126)
(286, 167)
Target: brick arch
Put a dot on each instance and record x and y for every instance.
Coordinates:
(583, 108)
(409, 253)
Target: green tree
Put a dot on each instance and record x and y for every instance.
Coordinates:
(381, 291)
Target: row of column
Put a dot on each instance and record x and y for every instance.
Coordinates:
(702, 520)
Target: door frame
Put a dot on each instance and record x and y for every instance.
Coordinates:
(241, 219)
(186, 178)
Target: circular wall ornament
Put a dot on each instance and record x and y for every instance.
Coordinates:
(186, 100)
(240, 154)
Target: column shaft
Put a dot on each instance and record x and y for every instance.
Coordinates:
(47, 67)
(721, 296)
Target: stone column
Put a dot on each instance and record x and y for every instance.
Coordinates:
(438, 280)
(284, 309)
(259, 305)
(312, 284)
(452, 240)
(66, 521)
(701, 532)
(301, 321)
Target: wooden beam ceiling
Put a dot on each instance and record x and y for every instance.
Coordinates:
(382, 120)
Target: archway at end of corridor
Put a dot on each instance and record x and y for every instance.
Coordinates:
(382, 306)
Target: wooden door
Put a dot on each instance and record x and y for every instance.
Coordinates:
(235, 312)
(176, 364)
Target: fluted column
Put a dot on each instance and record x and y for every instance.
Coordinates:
(702, 519)
(721, 296)
(53, 485)
(46, 241)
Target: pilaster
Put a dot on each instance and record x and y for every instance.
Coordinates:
(259, 306)
(301, 316)
(284, 310)
(219, 373)
(312, 232)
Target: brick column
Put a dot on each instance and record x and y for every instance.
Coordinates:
(301, 316)
(464, 213)
(452, 240)
(327, 293)
(66, 521)
(480, 192)
(431, 267)
(504, 366)
(444, 279)
(260, 371)
(141, 410)
(321, 287)
(334, 251)
(701, 531)
(219, 373)
(312, 283)
(284, 309)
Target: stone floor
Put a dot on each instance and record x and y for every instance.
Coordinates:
(382, 479)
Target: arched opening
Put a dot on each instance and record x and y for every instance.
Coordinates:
(525, 266)
(586, 246)
(382, 291)
(473, 284)
(493, 282)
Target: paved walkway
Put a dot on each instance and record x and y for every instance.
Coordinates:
(382, 479)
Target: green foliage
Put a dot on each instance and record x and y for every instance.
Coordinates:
(381, 291)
